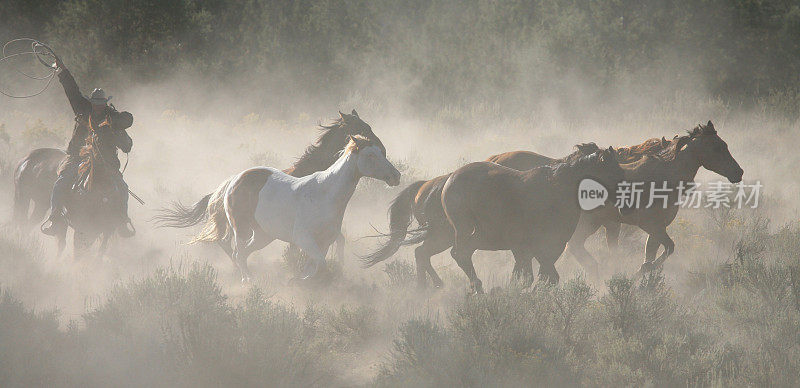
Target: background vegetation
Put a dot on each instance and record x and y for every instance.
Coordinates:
(736, 324)
(434, 53)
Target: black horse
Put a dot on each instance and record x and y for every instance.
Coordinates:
(90, 210)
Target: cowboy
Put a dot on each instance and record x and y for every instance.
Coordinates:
(92, 114)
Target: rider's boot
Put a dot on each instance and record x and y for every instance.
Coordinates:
(126, 230)
(54, 224)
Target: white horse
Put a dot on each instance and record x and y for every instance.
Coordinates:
(263, 204)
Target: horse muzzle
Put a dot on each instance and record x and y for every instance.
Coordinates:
(736, 177)
(393, 179)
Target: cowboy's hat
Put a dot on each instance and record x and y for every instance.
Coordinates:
(98, 97)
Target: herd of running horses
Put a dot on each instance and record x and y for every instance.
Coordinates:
(519, 201)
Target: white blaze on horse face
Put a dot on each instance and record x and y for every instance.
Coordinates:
(372, 163)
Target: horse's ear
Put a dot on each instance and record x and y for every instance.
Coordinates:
(710, 128)
(354, 113)
(663, 141)
(612, 151)
(343, 116)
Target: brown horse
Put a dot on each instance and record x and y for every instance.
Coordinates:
(671, 165)
(317, 157)
(532, 213)
(423, 199)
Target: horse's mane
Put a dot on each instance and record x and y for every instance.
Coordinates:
(355, 143)
(581, 149)
(662, 148)
(671, 152)
(633, 153)
(318, 155)
(584, 153)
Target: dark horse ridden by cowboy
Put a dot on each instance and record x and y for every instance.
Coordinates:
(99, 131)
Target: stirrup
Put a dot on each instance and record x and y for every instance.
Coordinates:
(55, 225)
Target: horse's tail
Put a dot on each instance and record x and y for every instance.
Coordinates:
(400, 212)
(217, 225)
(178, 215)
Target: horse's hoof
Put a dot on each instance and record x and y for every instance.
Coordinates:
(310, 271)
(126, 230)
(477, 290)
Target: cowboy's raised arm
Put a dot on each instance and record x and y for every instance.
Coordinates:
(79, 103)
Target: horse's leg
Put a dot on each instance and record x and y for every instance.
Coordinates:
(241, 201)
(21, 205)
(242, 249)
(650, 251)
(612, 236)
(226, 245)
(434, 244)
(587, 226)
(463, 258)
(523, 267)
(340, 242)
(101, 250)
(462, 253)
(80, 244)
(316, 253)
(61, 243)
(547, 261)
(669, 247)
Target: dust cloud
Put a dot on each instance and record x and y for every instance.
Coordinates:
(193, 130)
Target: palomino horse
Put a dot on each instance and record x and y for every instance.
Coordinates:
(264, 204)
(423, 199)
(317, 157)
(532, 213)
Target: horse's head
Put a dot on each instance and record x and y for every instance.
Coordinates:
(609, 170)
(354, 126)
(372, 160)
(604, 166)
(711, 151)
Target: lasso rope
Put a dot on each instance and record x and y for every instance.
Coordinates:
(39, 50)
